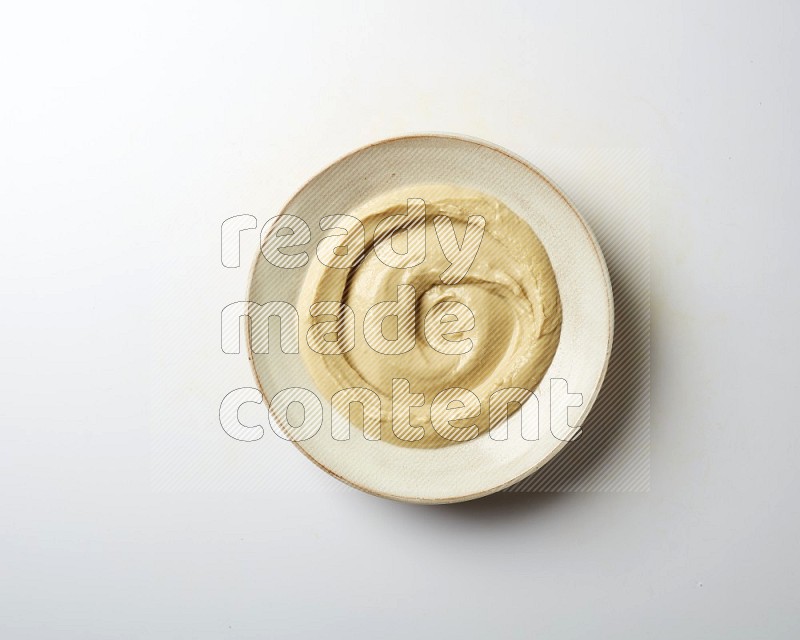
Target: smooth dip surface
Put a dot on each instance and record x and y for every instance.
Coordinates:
(448, 294)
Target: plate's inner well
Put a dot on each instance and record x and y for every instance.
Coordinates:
(427, 315)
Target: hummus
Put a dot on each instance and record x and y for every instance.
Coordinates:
(421, 305)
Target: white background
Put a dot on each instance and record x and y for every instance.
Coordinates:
(128, 133)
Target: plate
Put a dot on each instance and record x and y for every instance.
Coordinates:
(546, 423)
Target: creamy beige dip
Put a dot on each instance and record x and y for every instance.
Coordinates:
(481, 314)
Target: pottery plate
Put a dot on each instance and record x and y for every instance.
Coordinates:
(484, 464)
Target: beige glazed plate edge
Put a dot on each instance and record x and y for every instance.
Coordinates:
(604, 281)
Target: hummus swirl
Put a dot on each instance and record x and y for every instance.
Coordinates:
(483, 326)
